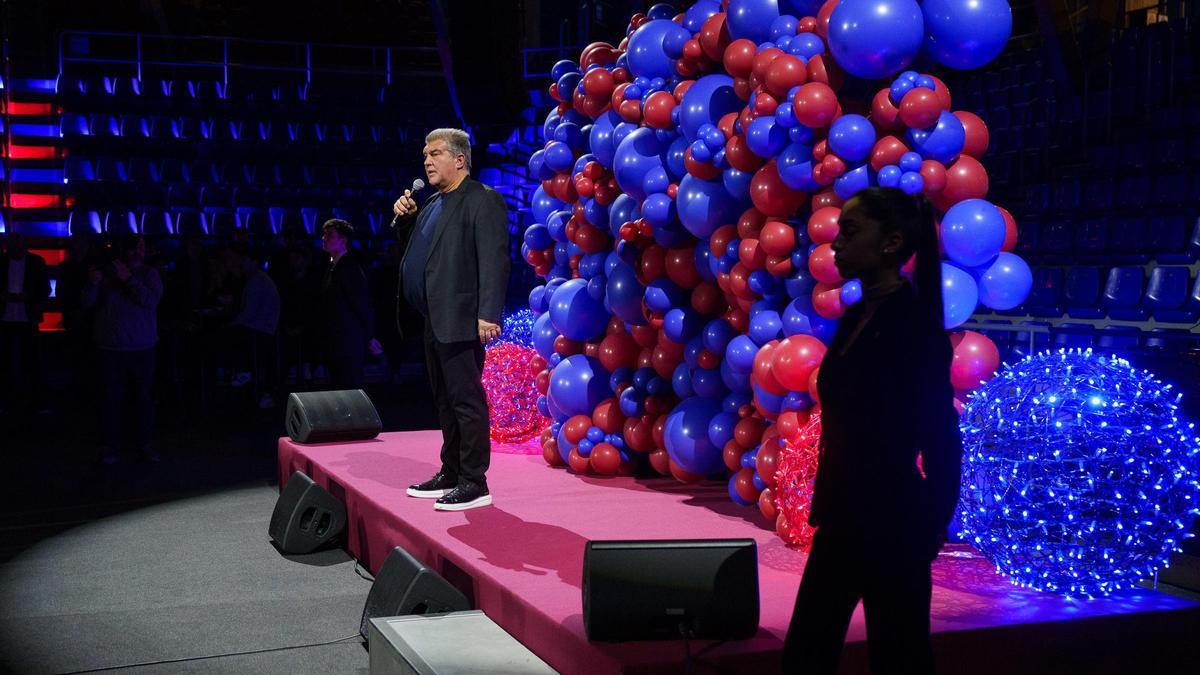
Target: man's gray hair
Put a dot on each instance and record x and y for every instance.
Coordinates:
(456, 139)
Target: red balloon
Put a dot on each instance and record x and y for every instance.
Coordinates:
(566, 346)
(738, 318)
(815, 105)
(783, 73)
(827, 300)
(653, 264)
(824, 198)
(683, 475)
(732, 454)
(743, 88)
(820, 263)
(739, 155)
(789, 425)
(751, 254)
(714, 36)
(591, 239)
(721, 238)
(975, 360)
(920, 107)
(942, 91)
(977, 133)
(701, 170)
(794, 360)
(739, 281)
(638, 435)
(605, 459)
(823, 224)
(599, 82)
(576, 428)
(771, 196)
(812, 385)
(657, 109)
(750, 224)
(630, 111)
(934, 175)
(743, 484)
(681, 267)
(821, 69)
(661, 462)
(833, 166)
(739, 57)
(762, 374)
(764, 104)
(1010, 230)
(645, 336)
(707, 299)
(748, 432)
(768, 462)
(965, 179)
(887, 150)
(763, 61)
(779, 265)
(578, 463)
(884, 115)
(664, 362)
(617, 350)
(766, 505)
(591, 349)
(608, 416)
(823, 18)
(777, 238)
(550, 453)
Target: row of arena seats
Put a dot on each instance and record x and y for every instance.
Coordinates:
(1170, 294)
(1029, 337)
(1134, 191)
(198, 128)
(204, 172)
(221, 223)
(1170, 239)
(113, 195)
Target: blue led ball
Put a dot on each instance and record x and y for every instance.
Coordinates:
(1079, 476)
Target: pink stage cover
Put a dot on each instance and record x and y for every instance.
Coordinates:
(522, 560)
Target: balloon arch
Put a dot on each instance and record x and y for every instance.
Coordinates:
(692, 179)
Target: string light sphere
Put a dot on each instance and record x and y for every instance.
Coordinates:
(794, 483)
(517, 328)
(511, 394)
(1079, 476)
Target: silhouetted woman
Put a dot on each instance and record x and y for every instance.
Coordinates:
(886, 399)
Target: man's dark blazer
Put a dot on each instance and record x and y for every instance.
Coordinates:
(467, 273)
(346, 307)
(37, 286)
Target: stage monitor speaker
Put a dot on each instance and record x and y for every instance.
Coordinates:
(327, 416)
(306, 516)
(655, 590)
(405, 586)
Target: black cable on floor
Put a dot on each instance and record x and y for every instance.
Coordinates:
(348, 638)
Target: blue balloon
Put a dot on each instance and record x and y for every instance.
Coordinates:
(973, 232)
(537, 236)
(1005, 283)
(800, 282)
(752, 19)
(562, 68)
(544, 334)
(537, 166)
(911, 182)
(851, 292)
(622, 210)
(705, 102)
(681, 381)
(795, 168)
(661, 10)
(733, 493)
(851, 137)
(910, 161)
(601, 140)
(638, 154)
(737, 183)
(575, 313)
(717, 335)
(541, 205)
(966, 34)
(720, 428)
(658, 210)
(697, 14)
(740, 353)
(766, 326)
(556, 225)
(578, 384)
(960, 295)
(631, 402)
(582, 160)
(765, 138)
(872, 39)
(707, 383)
(704, 261)
(806, 45)
(648, 48)
(558, 156)
(704, 206)
(733, 378)
(943, 142)
(679, 325)
(770, 401)
(686, 436)
(571, 134)
(889, 176)
(624, 293)
(851, 182)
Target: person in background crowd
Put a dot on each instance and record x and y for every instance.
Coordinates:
(346, 316)
(23, 294)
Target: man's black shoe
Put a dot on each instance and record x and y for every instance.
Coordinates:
(465, 496)
(438, 486)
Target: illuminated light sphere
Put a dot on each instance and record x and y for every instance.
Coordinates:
(794, 482)
(511, 393)
(1079, 476)
(517, 328)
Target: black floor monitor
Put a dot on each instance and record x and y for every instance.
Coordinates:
(655, 590)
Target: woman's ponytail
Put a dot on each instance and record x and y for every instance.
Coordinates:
(927, 274)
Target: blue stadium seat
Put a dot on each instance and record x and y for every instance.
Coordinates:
(1123, 293)
(120, 223)
(190, 223)
(174, 171)
(1127, 240)
(1045, 298)
(1026, 342)
(1037, 198)
(1166, 293)
(204, 173)
(74, 124)
(1167, 236)
(164, 128)
(157, 223)
(1057, 238)
(79, 168)
(1133, 191)
(111, 169)
(134, 126)
(1118, 340)
(1081, 292)
(143, 170)
(1073, 335)
(181, 195)
(104, 125)
(158, 90)
(1173, 189)
(221, 222)
(1091, 239)
(1099, 194)
(85, 221)
(1067, 194)
(216, 196)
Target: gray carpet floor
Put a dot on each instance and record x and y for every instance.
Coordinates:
(187, 586)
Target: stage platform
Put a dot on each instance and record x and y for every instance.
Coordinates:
(521, 559)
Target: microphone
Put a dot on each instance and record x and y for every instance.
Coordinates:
(417, 186)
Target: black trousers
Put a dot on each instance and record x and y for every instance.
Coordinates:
(456, 377)
(895, 589)
(123, 374)
(20, 365)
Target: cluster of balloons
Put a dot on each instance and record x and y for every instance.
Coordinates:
(692, 180)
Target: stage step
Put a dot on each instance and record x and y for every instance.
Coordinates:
(434, 643)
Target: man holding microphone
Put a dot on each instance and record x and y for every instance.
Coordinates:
(455, 273)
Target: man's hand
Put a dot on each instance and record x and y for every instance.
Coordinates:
(405, 206)
(121, 270)
(488, 331)
(375, 347)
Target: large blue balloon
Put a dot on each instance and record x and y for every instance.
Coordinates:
(795, 168)
(973, 231)
(872, 39)
(960, 295)
(650, 47)
(966, 34)
(544, 333)
(622, 210)
(537, 236)
(943, 142)
(697, 14)
(751, 19)
(704, 206)
(624, 294)
(851, 137)
(705, 102)
(601, 140)
(1005, 283)
(686, 436)
(577, 384)
(575, 313)
(740, 353)
(851, 182)
(541, 205)
(765, 138)
(638, 154)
